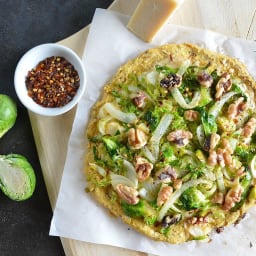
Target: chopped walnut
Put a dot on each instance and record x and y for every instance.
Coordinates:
(167, 174)
(232, 197)
(136, 138)
(249, 128)
(180, 137)
(177, 184)
(223, 85)
(212, 159)
(129, 194)
(226, 145)
(221, 157)
(191, 115)
(204, 78)
(139, 100)
(236, 108)
(227, 158)
(143, 168)
(164, 193)
(198, 220)
(241, 171)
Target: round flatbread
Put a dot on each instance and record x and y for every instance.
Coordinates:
(171, 143)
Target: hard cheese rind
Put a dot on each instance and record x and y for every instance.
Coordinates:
(150, 16)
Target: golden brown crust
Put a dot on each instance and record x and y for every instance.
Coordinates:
(144, 62)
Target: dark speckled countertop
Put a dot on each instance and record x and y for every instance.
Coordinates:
(24, 226)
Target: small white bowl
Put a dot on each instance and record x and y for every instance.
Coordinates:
(30, 60)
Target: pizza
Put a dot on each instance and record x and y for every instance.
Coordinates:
(171, 143)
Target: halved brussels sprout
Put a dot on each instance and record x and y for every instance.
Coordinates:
(8, 113)
(17, 177)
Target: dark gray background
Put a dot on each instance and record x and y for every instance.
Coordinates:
(24, 226)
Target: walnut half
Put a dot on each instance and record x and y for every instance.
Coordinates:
(136, 138)
(129, 194)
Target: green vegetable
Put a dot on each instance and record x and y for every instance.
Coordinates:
(166, 69)
(141, 209)
(208, 121)
(152, 120)
(205, 96)
(8, 114)
(192, 198)
(244, 153)
(111, 145)
(17, 177)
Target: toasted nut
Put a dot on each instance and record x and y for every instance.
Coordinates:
(129, 194)
(143, 168)
(177, 184)
(191, 115)
(204, 78)
(167, 174)
(220, 157)
(232, 197)
(136, 138)
(236, 108)
(226, 145)
(212, 159)
(223, 85)
(249, 128)
(163, 195)
(139, 100)
(180, 137)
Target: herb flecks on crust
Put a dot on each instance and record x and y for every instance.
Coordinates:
(172, 143)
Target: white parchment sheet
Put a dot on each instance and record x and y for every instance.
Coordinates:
(76, 215)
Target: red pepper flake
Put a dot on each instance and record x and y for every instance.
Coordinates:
(53, 82)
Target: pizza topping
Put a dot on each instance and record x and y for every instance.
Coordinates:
(232, 197)
(143, 168)
(118, 114)
(224, 85)
(191, 115)
(136, 138)
(236, 108)
(173, 142)
(249, 128)
(129, 194)
(180, 137)
(204, 78)
(171, 81)
(176, 94)
(139, 100)
(167, 174)
(163, 195)
(171, 220)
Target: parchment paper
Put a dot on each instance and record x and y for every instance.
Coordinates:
(76, 215)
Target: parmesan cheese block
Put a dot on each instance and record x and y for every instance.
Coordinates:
(150, 16)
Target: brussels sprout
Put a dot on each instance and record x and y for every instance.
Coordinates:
(17, 177)
(8, 113)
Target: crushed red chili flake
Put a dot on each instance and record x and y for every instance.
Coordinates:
(53, 82)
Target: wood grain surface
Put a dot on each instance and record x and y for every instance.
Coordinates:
(231, 17)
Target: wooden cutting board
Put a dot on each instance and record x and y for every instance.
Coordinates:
(230, 17)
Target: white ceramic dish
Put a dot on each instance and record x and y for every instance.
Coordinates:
(30, 60)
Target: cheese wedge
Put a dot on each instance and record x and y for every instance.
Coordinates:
(150, 16)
